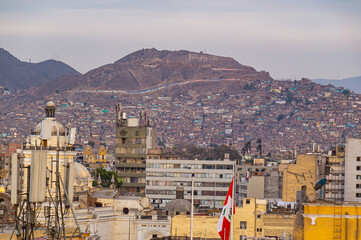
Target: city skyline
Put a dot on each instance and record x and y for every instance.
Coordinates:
(288, 39)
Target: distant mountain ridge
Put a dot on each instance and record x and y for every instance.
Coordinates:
(148, 68)
(15, 74)
(353, 83)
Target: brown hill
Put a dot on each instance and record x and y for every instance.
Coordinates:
(148, 68)
(15, 74)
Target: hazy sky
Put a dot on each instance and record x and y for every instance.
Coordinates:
(289, 39)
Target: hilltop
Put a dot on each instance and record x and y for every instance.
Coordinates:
(15, 74)
(148, 68)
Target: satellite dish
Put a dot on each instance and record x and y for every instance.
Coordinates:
(320, 184)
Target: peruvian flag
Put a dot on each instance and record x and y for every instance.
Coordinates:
(224, 223)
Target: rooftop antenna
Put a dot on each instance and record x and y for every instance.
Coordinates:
(34, 195)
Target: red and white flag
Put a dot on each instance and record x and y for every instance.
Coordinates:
(224, 223)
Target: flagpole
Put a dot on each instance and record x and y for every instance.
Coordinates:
(233, 201)
(192, 206)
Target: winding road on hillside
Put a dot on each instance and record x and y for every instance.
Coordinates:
(155, 88)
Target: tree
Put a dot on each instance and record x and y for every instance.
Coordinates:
(106, 178)
(220, 151)
(280, 117)
(91, 143)
(259, 147)
(247, 147)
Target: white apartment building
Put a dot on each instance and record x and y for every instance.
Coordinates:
(211, 181)
(353, 170)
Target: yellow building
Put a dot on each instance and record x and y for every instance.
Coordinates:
(88, 154)
(250, 220)
(305, 173)
(102, 154)
(326, 220)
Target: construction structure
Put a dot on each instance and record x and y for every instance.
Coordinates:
(335, 174)
(134, 136)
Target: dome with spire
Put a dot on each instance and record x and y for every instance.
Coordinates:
(50, 114)
(179, 205)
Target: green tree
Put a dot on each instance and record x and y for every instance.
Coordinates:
(106, 178)
(259, 147)
(280, 117)
(219, 151)
(91, 143)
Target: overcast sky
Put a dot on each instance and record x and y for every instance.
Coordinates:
(289, 39)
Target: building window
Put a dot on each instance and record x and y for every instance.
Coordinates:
(248, 201)
(123, 140)
(138, 141)
(358, 177)
(154, 236)
(358, 159)
(259, 229)
(358, 168)
(358, 185)
(243, 225)
(358, 195)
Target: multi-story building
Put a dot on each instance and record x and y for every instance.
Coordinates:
(335, 174)
(133, 138)
(259, 181)
(353, 170)
(211, 180)
(303, 176)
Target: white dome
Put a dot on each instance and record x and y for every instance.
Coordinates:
(50, 104)
(80, 172)
(54, 127)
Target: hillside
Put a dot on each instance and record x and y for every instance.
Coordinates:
(229, 104)
(148, 68)
(15, 74)
(353, 83)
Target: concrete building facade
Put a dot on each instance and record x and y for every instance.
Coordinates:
(259, 181)
(133, 139)
(353, 170)
(212, 180)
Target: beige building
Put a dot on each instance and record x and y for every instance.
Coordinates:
(307, 171)
(251, 220)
